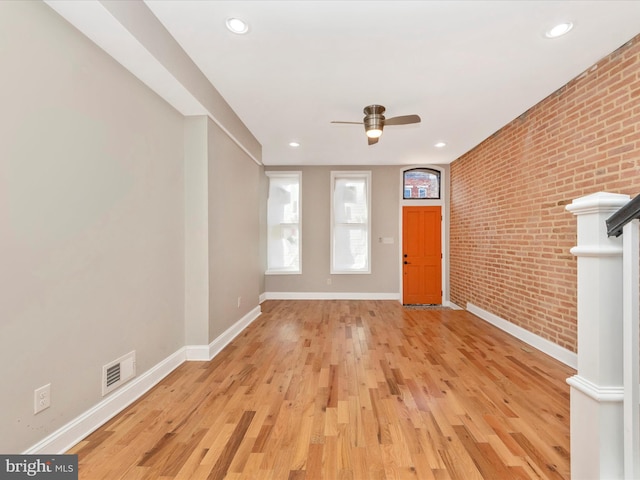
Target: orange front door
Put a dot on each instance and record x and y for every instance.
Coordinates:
(421, 255)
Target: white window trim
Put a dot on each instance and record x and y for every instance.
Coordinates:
(298, 175)
(355, 174)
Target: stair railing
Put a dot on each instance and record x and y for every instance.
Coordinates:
(625, 222)
(604, 392)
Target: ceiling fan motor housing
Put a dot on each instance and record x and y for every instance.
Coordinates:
(374, 119)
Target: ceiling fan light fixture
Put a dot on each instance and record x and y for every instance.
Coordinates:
(374, 122)
(374, 132)
(237, 25)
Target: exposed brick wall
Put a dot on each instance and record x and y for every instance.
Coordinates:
(510, 232)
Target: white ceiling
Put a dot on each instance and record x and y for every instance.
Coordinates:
(466, 67)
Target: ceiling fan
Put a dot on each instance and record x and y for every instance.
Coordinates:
(374, 122)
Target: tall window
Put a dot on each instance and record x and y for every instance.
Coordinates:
(350, 226)
(421, 183)
(283, 222)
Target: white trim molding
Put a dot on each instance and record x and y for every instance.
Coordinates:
(597, 203)
(451, 305)
(204, 353)
(598, 393)
(444, 231)
(553, 350)
(73, 432)
(597, 413)
(596, 251)
(330, 296)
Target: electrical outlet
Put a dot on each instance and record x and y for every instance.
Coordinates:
(328, 281)
(239, 301)
(41, 398)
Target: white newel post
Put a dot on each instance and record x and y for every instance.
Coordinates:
(596, 390)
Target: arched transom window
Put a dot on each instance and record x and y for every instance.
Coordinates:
(421, 183)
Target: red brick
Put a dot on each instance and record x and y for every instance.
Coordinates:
(510, 232)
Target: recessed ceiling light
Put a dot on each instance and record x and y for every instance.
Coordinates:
(440, 145)
(236, 25)
(559, 30)
(294, 144)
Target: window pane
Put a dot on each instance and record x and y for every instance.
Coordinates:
(283, 222)
(284, 247)
(421, 183)
(350, 243)
(350, 200)
(350, 248)
(283, 200)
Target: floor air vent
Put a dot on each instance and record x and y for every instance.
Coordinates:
(118, 372)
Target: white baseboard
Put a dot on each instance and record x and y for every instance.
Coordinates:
(330, 296)
(69, 435)
(452, 305)
(73, 432)
(261, 298)
(561, 354)
(197, 353)
(207, 352)
(598, 393)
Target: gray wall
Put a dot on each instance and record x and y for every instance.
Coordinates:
(196, 230)
(316, 207)
(125, 226)
(91, 221)
(121, 223)
(235, 268)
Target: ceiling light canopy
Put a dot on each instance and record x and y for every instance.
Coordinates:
(440, 145)
(559, 30)
(237, 25)
(294, 144)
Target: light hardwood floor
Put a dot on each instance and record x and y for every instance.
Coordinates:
(348, 390)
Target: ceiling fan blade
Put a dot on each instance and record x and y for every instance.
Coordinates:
(402, 120)
(373, 141)
(350, 123)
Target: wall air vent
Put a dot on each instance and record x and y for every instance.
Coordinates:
(113, 374)
(118, 372)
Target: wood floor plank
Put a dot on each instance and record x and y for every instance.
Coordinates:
(359, 390)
